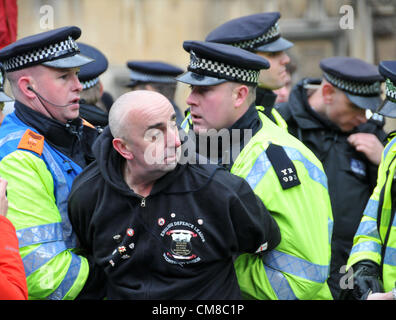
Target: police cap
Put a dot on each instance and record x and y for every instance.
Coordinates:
(359, 80)
(55, 48)
(215, 63)
(388, 70)
(89, 73)
(257, 32)
(152, 71)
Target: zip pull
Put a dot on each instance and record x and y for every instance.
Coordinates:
(143, 202)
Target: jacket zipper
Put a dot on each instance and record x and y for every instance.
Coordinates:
(143, 202)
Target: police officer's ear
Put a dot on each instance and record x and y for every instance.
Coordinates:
(25, 86)
(328, 92)
(123, 149)
(240, 94)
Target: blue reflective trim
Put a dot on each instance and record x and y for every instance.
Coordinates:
(330, 225)
(12, 136)
(68, 280)
(388, 147)
(368, 228)
(39, 234)
(371, 209)
(279, 284)
(314, 172)
(62, 190)
(41, 255)
(296, 266)
(259, 169)
(371, 246)
(262, 164)
(390, 256)
(186, 122)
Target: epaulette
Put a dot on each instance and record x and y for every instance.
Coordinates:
(283, 166)
(32, 141)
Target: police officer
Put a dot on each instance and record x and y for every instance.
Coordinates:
(373, 259)
(91, 108)
(156, 76)
(3, 97)
(284, 173)
(43, 146)
(332, 122)
(260, 33)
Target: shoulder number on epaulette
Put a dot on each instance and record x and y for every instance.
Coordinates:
(32, 141)
(283, 166)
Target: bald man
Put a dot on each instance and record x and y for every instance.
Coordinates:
(159, 227)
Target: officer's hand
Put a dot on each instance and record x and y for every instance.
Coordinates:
(3, 197)
(366, 279)
(380, 296)
(368, 144)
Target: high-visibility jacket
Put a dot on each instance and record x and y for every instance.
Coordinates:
(375, 238)
(39, 181)
(299, 266)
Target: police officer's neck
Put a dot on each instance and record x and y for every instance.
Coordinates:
(316, 101)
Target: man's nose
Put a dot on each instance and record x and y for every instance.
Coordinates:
(285, 58)
(77, 84)
(191, 99)
(173, 138)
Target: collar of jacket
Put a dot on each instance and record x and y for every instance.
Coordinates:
(249, 120)
(94, 115)
(265, 97)
(55, 132)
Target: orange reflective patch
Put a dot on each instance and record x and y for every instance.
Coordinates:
(32, 141)
(86, 123)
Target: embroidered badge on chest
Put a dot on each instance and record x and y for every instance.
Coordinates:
(182, 238)
(283, 166)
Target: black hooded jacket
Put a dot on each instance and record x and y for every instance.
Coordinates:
(176, 243)
(351, 176)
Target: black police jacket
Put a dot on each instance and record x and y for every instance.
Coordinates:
(351, 176)
(176, 243)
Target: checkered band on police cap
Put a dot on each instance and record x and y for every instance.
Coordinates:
(222, 70)
(90, 83)
(271, 35)
(355, 87)
(44, 54)
(390, 90)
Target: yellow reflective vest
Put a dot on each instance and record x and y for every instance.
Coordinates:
(299, 266)
(375, 238)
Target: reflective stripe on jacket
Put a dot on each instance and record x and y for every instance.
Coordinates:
(38, 187)
(369, 241)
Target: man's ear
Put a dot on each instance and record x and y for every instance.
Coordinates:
(328, 92)
(24, 83)
(240, 94)
(122, 148)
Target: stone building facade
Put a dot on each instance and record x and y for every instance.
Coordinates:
(155, 29)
